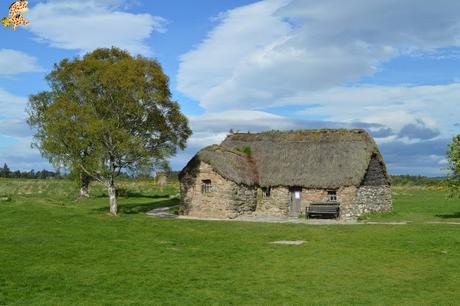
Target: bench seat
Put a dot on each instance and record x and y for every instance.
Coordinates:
(327, 208)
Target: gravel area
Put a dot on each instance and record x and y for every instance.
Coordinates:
(163, 212)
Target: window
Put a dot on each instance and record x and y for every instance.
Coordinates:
(332, 196)
(266, 191)
(206, 186)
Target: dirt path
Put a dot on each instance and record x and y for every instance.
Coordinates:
(163, 212)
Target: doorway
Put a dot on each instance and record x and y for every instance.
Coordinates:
(296, 198)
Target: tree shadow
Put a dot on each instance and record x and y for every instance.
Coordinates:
(141, 195)
(137, 208)
(136, 195)
(449, 216)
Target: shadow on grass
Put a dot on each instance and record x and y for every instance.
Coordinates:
(137, 208)
(449, 216)
(136, 195)
(141, 195)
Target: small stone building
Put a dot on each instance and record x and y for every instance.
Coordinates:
(281, 173)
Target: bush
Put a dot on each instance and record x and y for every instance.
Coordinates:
(245, 149)
(122, 192)
(4, 198)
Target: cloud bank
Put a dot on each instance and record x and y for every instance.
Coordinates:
(14, 62)
(88, 24)
(279, 53)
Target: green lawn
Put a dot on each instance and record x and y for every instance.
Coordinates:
(55, 251)
(420, 204)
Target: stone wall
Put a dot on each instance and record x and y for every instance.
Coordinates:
(372, 199)
(277, 204)
(347, 197)
(375, 174)
(309, 196)
(225, 200)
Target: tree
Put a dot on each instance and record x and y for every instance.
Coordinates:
(108, 112)
(83, 181)
(453, 156)
(5, 171)
(57, 140)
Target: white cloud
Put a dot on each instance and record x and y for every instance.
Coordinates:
(434, 107)
(276, 53)
(89, 24)
(403, 155)
(242, 31)
(239, 120)
(14, 62)
(21, 156)
(11, 106)
(274, 50)
(17, 128)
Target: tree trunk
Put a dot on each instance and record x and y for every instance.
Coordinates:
(84, 192)
(112, 198)
(84, 185)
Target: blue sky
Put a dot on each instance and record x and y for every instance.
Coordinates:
(391, 67)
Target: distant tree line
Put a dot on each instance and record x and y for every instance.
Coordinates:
(417, 180)
(6, 172)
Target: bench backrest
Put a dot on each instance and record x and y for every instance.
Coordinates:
(323, 207)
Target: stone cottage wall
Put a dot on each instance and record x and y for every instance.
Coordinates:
(374, 194)
(347, 198)
(230, 200)
(355, 202)
(226, 199)
(277, 204)
(345, 195)
(372, 199)
(309, 196)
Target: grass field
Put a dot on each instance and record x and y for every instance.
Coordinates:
(56, 251)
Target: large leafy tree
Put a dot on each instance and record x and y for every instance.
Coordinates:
(106, 112)
(60, 135)
(453, 156)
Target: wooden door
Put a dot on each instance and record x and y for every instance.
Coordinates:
(296, 198)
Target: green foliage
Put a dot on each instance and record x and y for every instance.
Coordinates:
(413, 180)
(55, 251)
(453, 156)
(5, 172)
(106, 112)
(245, 149)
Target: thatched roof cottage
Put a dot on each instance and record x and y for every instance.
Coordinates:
(282, 173)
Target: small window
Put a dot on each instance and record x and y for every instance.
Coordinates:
(266, 191)
(332, 196)
(206, 186)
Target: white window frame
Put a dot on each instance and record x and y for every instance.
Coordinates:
(332, 196)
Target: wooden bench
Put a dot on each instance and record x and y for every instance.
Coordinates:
(332, 209)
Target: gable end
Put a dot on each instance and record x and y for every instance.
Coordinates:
(375, 174)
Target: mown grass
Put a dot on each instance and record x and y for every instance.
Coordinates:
(420, 204)
(56, 251)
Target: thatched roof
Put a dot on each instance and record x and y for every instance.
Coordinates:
(327, 158)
